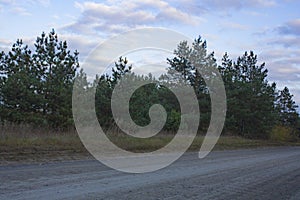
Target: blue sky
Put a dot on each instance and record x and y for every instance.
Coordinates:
(271, 28)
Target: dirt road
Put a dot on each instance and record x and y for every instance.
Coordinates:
(269, 173)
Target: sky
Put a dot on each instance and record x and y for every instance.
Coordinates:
(271, 28)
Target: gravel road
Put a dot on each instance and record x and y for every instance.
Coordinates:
(267, 173)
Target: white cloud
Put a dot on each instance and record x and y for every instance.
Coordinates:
(282, 71)
(5, 45)
(20, 11)
(117, 16)
(283, 64)
(174, 15)
(229, 25)
(44, 3)
(20, 7)
(56, 17)
(82, 43)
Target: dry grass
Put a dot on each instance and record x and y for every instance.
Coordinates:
(26, 143)
(17, 138)
(23, 143)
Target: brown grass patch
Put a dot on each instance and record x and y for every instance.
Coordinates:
(22, 143)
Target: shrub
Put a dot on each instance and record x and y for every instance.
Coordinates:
(282, 133)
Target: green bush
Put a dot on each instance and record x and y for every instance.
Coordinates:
(281, 133)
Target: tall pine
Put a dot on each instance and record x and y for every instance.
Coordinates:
(59, 65)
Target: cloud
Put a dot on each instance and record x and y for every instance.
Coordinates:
(44, 3)
(283, 64)
(117, 16)
(79, 42)
(219, 7)
(24, 2)
(281, 54)
(229, 5)
(20, 7)
(261, 3)
(5, 45)
(6, 2)
(286, 35)
(284, 72)
(287, 41)
(290, 28)
(234, 26)
(173, 15)
(20, 11)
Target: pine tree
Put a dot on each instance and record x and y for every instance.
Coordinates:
(121, 68)
(20, 98)
(191, 65)
(228, 73)
(249, 95)
(287, 108)
(181, 68)
(58, 67)
(104, 85)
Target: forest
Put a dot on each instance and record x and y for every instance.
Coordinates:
(36, 89)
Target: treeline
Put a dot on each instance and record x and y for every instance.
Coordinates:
(255, 107)
(36, 88)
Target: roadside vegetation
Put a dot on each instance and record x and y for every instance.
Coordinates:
(27, 144)
(36, 100)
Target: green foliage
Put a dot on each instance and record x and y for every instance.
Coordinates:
(104, 87)
(250, 98)
(59, 67)
(19, 86)
(254, 106)
(36, 87)
(141, 100)
(286, 107)
(189, 65)
(282, 133)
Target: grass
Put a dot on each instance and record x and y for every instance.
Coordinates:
(25, 143)
(37, 145)
(224, 143)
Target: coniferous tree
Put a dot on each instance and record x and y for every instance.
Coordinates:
(58, 66)
(192, 65)
(228, 73)
(20, 97)
(250, 97)
(36, 87)
(287, 108)
(104, 85)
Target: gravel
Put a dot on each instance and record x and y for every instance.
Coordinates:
(265, 173)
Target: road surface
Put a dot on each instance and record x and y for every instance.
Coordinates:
(267, 173)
